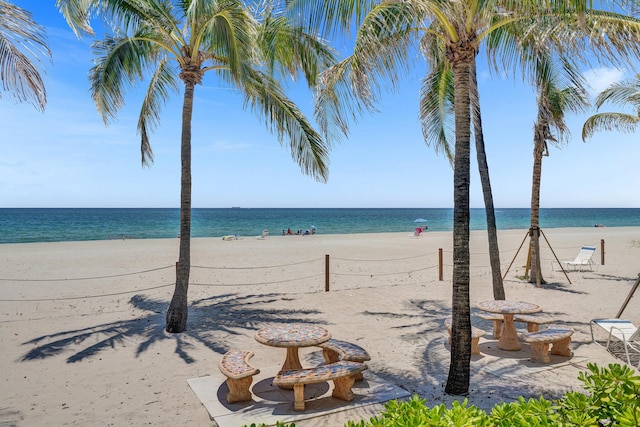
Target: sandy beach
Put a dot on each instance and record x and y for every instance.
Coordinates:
(82, 323)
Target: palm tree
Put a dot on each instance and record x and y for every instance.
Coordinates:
(551, 63)
(437, 99)
(386, 33)
(560, 90)
(380, 49)
(626, 94)
(22, 40)
(487, 193)
(180, 41)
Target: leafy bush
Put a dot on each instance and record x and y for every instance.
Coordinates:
(415, 413)
(613, 400)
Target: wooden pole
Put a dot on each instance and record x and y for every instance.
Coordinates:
(536, 248)
(601, 251)
(527, 266)
(556, 257)
(440, 264)
(514, 257)
(326, 273)
(633, 290)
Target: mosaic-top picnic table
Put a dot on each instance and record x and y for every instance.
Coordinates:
(292, 336)
(509, 337)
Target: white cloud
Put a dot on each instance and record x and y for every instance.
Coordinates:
(599, 79)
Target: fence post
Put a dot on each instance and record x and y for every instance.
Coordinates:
(326, 273)
(440, 264)
(601, 251)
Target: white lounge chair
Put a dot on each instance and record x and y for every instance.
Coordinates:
(582, 260)
(619, 330)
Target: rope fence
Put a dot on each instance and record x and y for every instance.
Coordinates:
(367, 273)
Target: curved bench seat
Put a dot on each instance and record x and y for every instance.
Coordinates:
(235, 366)
(540, 341)
(335, 350)
(342, 373)
(533, 321)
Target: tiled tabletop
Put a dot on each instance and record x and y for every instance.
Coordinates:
(292, 335)
(509, 307)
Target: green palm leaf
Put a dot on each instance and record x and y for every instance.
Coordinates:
(163, 81)
(436, 110)
(609, 121)
(283, 117)
(626, 93)
(22, 41)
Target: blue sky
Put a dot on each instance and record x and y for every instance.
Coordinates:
(66, 157)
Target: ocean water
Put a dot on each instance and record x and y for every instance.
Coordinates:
(53, 225)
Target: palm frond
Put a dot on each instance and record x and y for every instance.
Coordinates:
(624, 93)
(332, 17)
(124, 15)
(78, 14)
(163, 80)
(436, 110)
(611, 36)
(121, 63)
(22, 41)
(609, 122)
(286, 48)
(381, 56)
(284, 118)
(228, 32)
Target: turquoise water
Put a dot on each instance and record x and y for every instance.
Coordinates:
(53, 225)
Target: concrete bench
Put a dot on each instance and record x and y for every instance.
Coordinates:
(533, 322)
(335, 350)
(235, 366)
(497, 320)
(540, 341)
(342, 373)
(476, 333)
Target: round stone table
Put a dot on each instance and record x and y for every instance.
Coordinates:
(509, 337)
(292, 336)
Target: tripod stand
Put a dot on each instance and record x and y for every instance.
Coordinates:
(535, 232)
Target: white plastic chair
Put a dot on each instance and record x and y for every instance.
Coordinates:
(619, 330)
(583, 259)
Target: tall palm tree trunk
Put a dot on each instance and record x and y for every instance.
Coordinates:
(459, 369)
(534, 244)
(178, 311)
(483, 168)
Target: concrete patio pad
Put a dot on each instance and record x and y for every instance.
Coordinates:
(271, 404)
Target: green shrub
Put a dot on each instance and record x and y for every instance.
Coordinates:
(278, 424)
(613, 400)
(415, 413)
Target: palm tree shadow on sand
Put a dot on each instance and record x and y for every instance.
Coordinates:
(208, 319)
